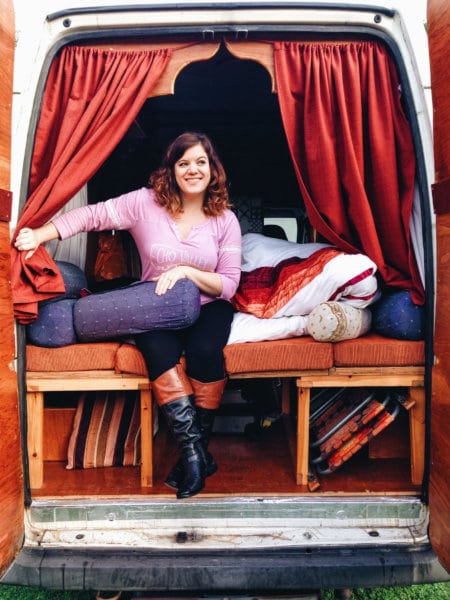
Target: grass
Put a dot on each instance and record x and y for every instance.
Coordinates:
(438, 591)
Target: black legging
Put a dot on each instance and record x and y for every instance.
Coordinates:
(202, 344)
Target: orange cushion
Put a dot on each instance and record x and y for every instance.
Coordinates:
(75, 357)
(130, 360)
(376, 350)
(292, 354)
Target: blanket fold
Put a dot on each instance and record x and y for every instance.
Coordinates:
(264, 291)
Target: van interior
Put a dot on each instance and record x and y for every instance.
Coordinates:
(233, 101)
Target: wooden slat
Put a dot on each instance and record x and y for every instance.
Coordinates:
(146, 439)
(417, 434)
(363, 381)
(35, 438)
(276, 374)
(303, 412)
(70, 381)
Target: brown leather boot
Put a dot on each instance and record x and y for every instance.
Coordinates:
(173, 393)
(171, 385)
(207, 397)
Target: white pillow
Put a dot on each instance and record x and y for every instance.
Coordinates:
(338, 321)
(261, 251)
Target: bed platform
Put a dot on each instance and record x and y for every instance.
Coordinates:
(369, 361)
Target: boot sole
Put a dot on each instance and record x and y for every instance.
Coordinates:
(181, 496)
(173, 484)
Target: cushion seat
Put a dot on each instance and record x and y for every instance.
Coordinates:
(377, 350)
(292, 354)
(75, 357)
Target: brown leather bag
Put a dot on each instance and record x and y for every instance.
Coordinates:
(111, 261)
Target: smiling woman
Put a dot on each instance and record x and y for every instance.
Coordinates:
(184, 229)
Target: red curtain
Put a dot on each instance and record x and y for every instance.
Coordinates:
(352, 150)
(91, 98)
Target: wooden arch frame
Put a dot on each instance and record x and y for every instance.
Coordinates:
(185, 54)
(261, 52)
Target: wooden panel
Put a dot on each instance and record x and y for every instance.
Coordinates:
(393, 442)
(261, 52)
(57, 429)
(5, 204)
(35, 437)
(11, 489)
(182, 56)
(72, 381)
(439, 40)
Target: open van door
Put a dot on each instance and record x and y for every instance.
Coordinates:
(11, 488)
(439, 38)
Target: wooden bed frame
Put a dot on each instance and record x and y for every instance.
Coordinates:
(410, 377)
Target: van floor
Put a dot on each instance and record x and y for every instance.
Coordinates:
(248, 466)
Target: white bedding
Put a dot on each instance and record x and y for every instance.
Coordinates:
(334, 282)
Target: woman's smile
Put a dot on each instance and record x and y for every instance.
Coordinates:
(192, 171)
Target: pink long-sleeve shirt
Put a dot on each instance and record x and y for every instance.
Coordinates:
(214, 245)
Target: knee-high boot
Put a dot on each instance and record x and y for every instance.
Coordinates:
(207, 397)
(173, 393)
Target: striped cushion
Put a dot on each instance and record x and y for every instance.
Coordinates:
(106, 431)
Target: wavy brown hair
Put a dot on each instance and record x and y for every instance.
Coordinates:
(166, 188)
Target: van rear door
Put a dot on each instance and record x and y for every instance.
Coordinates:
(11, 488)
(439, 37)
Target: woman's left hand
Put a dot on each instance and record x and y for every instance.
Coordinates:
(167, 280)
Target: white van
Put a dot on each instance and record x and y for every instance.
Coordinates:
(322, 119)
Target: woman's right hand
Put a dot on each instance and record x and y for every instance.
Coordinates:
(27, 239)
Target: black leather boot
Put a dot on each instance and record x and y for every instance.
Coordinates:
(181, 419)
(205, 422)
(207, 397)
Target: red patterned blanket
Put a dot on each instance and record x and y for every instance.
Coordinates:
(264, 291)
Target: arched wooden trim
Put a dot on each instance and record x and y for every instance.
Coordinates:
(185, 54)
(261, 52)
(181, 58)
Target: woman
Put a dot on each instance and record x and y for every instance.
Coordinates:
(183, 227)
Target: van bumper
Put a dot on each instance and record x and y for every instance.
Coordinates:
(231, 572)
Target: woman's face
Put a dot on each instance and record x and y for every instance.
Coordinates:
(193, 173)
